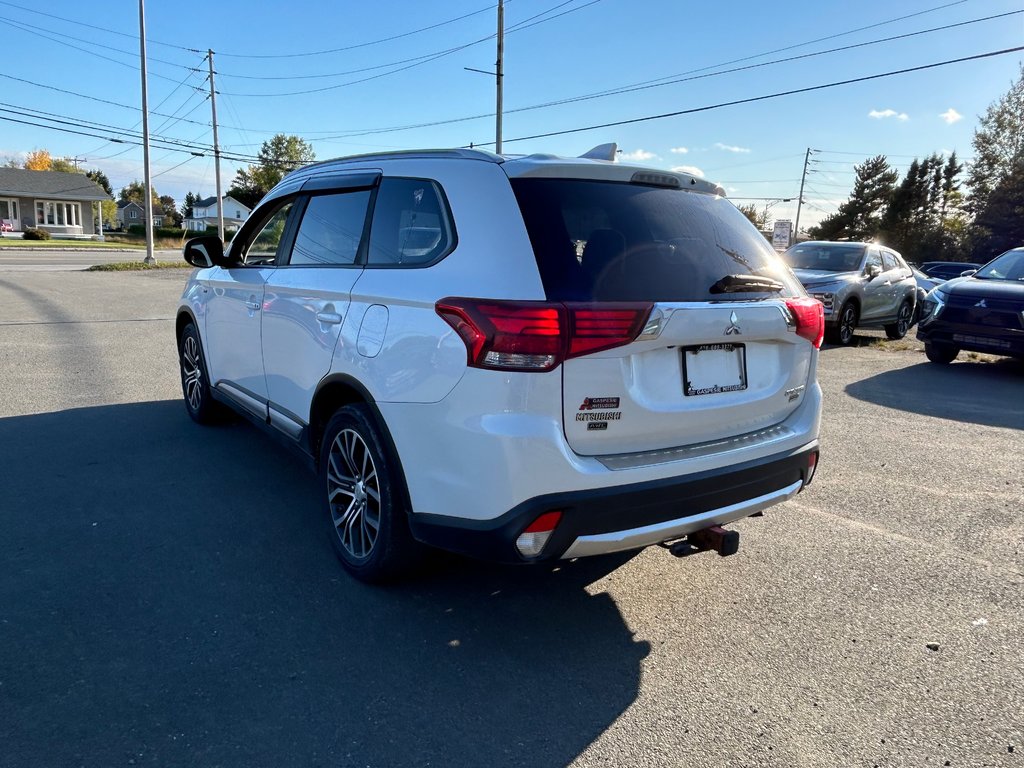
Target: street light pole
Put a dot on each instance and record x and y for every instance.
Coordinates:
(150, 259)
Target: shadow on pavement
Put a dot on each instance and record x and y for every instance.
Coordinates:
(170, 597)
(980, 393)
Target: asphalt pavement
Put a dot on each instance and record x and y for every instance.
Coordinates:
(169, 594)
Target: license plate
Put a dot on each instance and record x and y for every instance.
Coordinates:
(712, 369)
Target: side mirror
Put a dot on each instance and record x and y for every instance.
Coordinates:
(872, 271)
(968, 272)
(205, 251)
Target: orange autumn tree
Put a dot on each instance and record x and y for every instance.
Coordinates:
(38, 160)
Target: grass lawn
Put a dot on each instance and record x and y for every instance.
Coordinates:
(133, 266)
(7, 242)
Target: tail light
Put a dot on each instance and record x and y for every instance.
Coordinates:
(809, 316)
(532, 540)
(537, 335)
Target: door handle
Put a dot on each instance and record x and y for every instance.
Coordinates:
(253, 305)
(329, 318)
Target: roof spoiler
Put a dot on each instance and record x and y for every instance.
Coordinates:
(602, 152)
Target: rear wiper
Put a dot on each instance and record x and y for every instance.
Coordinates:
(746, 283)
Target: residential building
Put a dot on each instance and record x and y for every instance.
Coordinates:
(204, 214)
(129, 212)
(63, 204)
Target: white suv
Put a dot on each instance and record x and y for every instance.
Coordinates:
(518, 358)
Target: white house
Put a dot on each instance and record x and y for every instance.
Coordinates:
(204, 214)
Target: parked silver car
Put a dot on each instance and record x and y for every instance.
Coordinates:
(862, 285)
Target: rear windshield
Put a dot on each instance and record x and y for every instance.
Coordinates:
(610, 241)
(828, 257)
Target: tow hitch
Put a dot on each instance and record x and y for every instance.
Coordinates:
(715, 538)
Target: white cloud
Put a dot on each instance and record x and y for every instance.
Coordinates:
(637, 156)
(732, 148)
(951, 116)
(679, 150)
(886, 113)
(690, 169)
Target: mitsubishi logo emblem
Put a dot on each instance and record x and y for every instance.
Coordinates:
(982, 304)
(734, 325)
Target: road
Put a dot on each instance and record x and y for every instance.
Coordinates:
(54, 260)
(169, 595)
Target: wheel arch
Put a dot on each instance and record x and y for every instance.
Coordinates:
(184, 317)
(336, 391)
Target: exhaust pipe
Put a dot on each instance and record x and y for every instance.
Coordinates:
(715, 538)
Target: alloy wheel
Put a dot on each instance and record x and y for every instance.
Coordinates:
(353, 493)
(846, 325)
(903, 321)
(193, 372)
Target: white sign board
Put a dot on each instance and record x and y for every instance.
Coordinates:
(782, 234)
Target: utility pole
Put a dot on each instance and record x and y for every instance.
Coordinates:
(150, 259)
(216, 150)
(800, 199)
(500, 73)
(75, 160)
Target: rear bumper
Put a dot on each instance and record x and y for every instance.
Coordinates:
(626, 517)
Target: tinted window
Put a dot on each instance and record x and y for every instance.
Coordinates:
(331, 229)
(828, 257)
(410, 225)
(607, 241)
(263, 249)
(873, 259)
(888, 261)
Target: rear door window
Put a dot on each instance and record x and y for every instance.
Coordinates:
(331, 230)
(888, 261)
(611, 241)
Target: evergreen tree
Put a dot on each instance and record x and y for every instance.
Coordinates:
(998, 144)
(860, 217)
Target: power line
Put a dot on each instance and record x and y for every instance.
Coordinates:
(765, 97)
(93, 26)
(427, 58)
(84, 50)
(686, 76)
(356, 45)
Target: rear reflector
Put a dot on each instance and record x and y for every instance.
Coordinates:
(537, 335)
(809, 316)
(812, 466)
(532, 540)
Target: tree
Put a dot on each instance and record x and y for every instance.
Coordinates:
(170, 210)
(186, 206)
(759, 218)
(860, 217)
(100, 178)
(38, 160)
(1002, 218)
(62, 165)
(998, 145)
(277, 156)
(915, 220)
(136, 193)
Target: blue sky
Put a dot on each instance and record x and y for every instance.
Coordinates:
(564, 50)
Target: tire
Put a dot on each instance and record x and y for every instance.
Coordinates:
(365, 498)
(842, 332)
(943, 354)
(195, 382)
(904, 319)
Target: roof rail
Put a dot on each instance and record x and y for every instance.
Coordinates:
(465, 154)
